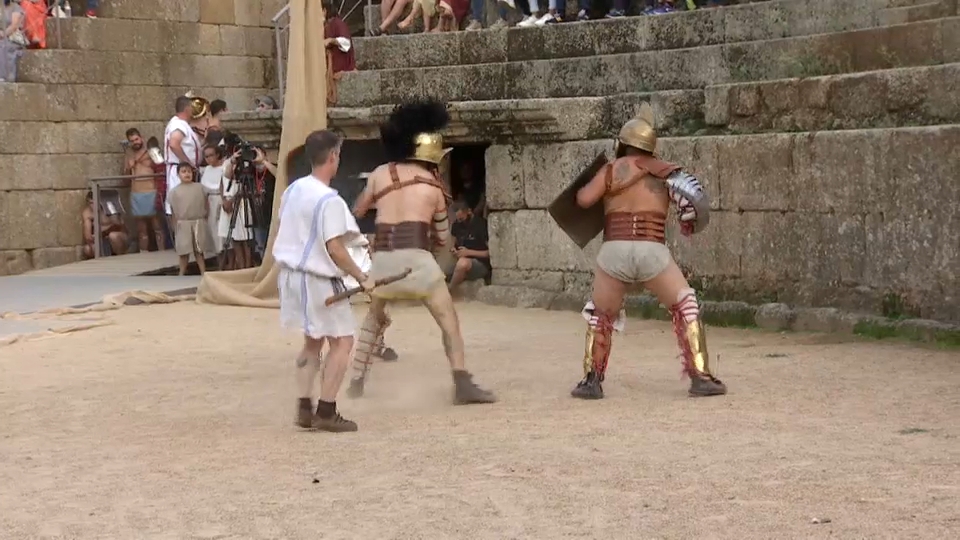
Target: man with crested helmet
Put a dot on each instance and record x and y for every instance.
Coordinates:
(635, 191)
(412, 223)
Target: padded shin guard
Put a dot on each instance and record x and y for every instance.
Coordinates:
(599, 341)
(691, 339)
(368, 343)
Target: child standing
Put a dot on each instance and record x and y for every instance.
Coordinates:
(189, 205)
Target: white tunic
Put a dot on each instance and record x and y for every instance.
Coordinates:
(191, 148)
(312, 213)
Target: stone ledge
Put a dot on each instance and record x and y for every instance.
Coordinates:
(916, 44)
(37, 102)
(684, 29)
(69, 137)
(160, 36)
(776, 317)
(889, 98)
(147, 69)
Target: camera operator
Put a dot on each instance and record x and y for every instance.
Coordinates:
(258, 177)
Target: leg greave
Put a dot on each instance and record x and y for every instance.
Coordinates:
(691, 337)
(599, 341)
(368, 343)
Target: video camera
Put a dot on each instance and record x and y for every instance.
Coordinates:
(236, 143)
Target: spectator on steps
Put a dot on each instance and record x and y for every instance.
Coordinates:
(62, 9)
(339, 46)
(503, 7)
(264, 103)
(390, 12)
(217, 107)
(450, 12)
(12, 40)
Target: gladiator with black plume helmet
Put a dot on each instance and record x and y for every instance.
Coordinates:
(412, 133)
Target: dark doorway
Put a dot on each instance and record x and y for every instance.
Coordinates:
(468, 176)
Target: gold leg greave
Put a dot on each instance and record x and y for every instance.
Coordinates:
(588, 350)
(692, 341)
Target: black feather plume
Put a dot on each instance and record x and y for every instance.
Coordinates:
(406, 121)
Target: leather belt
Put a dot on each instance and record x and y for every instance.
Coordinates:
(403, 235)
(635, 226)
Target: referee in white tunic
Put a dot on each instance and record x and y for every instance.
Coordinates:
(315, 227)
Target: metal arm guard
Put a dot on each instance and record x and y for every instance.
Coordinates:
(692, 202)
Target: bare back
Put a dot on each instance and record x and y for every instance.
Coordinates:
(414, 201)
(627, 193)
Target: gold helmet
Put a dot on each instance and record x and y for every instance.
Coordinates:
(199, 107)
(429, 148)
(639, 131)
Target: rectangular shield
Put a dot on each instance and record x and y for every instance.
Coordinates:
(581, 224)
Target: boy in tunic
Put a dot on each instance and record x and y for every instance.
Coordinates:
(189, 205)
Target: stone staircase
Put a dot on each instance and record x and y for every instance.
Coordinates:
(826, 131)
(62, 123)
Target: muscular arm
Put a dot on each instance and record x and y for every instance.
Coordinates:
(88, 226)
(594, 191)
(364, 201)
(441, 221)
(341, 257)
(176, 146)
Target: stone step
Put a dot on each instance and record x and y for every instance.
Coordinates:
(159, 36)
(875, 99)
(238, 12)
(827, 218)
(915, 44)
(917, 12)
(149, 69)
(685, 29)
(34, 102)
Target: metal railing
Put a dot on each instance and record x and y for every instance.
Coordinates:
(281, 33)
(109, 182)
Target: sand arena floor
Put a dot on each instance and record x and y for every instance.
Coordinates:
(176, 422)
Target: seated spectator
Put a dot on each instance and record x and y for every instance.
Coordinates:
(451, 12)
(476, 13)
(189, 205)
(470, 236)
(340, 56)
(390, 11)
(12, 40)
(62, 9)
(264, 103)
(113, 236)
(217, 107)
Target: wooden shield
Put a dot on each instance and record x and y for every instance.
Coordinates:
(581, 224)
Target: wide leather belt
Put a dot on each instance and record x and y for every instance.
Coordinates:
(635, 226)
(403, 235)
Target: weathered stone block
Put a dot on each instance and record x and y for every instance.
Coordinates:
(21, 172)
(544, 280)
(168, 10)
(69, 205)
(246, 41)
(775, 317)
(105, 137)
(246, 12)
(24, 102)
(550, 168)
(542, 245)
(501, 227)
(58, 256)
(700, 156)
(716, 109)
(217, 12)
(14, 262)
(32, 138)
(29, 219)
(504, 167)
(714, 252)
(842, 171)
(765, 181)
(146, 36)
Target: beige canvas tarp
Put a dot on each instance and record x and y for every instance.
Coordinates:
(304, 111)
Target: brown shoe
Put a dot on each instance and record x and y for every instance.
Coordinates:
(304, 413)
(706, 385)
(466, 392)
(355, 390)
(335, 424)
(588, 388)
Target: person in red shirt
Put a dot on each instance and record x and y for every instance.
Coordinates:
(339, 44)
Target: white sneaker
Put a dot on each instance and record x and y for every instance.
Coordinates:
(59, 13)
(510, 3)
(542, 21)
(528, 21)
